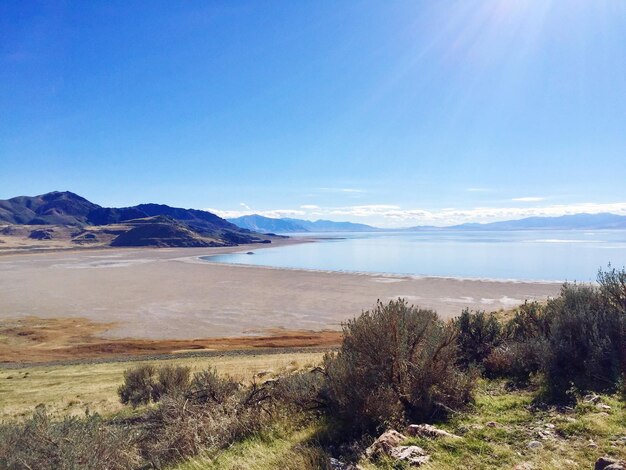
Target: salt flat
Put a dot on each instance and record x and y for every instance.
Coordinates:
(172, 294)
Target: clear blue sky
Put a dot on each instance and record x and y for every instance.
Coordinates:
(388, 112)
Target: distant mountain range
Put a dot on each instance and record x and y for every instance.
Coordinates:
(259, 223)
(68, 216)
(565, 222)
(604, 221)
(142, 225)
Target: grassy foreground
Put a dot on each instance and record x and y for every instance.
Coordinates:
(495, 430)
(495, 434)
(74, 389)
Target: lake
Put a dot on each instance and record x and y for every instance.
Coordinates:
(547, 255)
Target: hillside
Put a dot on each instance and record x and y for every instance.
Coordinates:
(161, 231)
(65, 216)
(56, 208)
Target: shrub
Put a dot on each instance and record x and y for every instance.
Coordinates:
(138, 386)
(88, 443)
(584, 343)
(171, 380)
(529, 322)
(478, 334)
(300, 392)
(208, 386)
(613, 288)
(523, 346)
(182, 426)
(146, 383)
(516, 360)
(397, 362)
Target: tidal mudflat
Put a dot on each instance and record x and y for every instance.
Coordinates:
(174, 294)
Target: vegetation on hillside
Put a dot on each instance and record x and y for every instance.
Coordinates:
(544, 388)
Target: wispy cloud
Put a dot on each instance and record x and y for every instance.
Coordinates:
(274, 213)
(343, 190)
(397, 215)
(478, 190)
(391, 215)
(528, 199)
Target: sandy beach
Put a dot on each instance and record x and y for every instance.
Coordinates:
(172, 294)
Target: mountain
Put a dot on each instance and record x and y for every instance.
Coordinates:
(603, 221)
(161, 231)
(143, 225)
(263, 224)
(330, 226)
(62, 208)
(565, 222)
(258, 223)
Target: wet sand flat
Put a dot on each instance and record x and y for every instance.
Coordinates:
(171, 294)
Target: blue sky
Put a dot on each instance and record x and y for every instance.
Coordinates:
(393, 113)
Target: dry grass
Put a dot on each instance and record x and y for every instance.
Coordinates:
(40, 340)
(276, 449)
(72, 389)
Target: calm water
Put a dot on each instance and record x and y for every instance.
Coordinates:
(524, 255)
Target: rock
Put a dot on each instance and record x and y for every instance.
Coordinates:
(593, 398)
(41, 234)
(550, 426)
(428, 431)
(603, 407)
(386, 441)
(608, 463)
(592, 444)
(524, 466)
(339, 465)
(545, 435)
(492, 424)
(535, 445)
(389, 444)
(413, 455)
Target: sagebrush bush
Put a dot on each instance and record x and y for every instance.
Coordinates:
(209, 386)
(138, 385)
(613, 289)
(146, 383)
(522, 349)
(171, 380)
(516, 361)
(529, 322)
(478, 334)
(70, 444)
(213, 414)
(584, 343)
(302, 391)
(397, 362)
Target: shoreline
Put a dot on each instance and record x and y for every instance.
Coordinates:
(172, 294)
(381, 273)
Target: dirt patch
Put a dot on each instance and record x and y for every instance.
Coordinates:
(37, 340)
